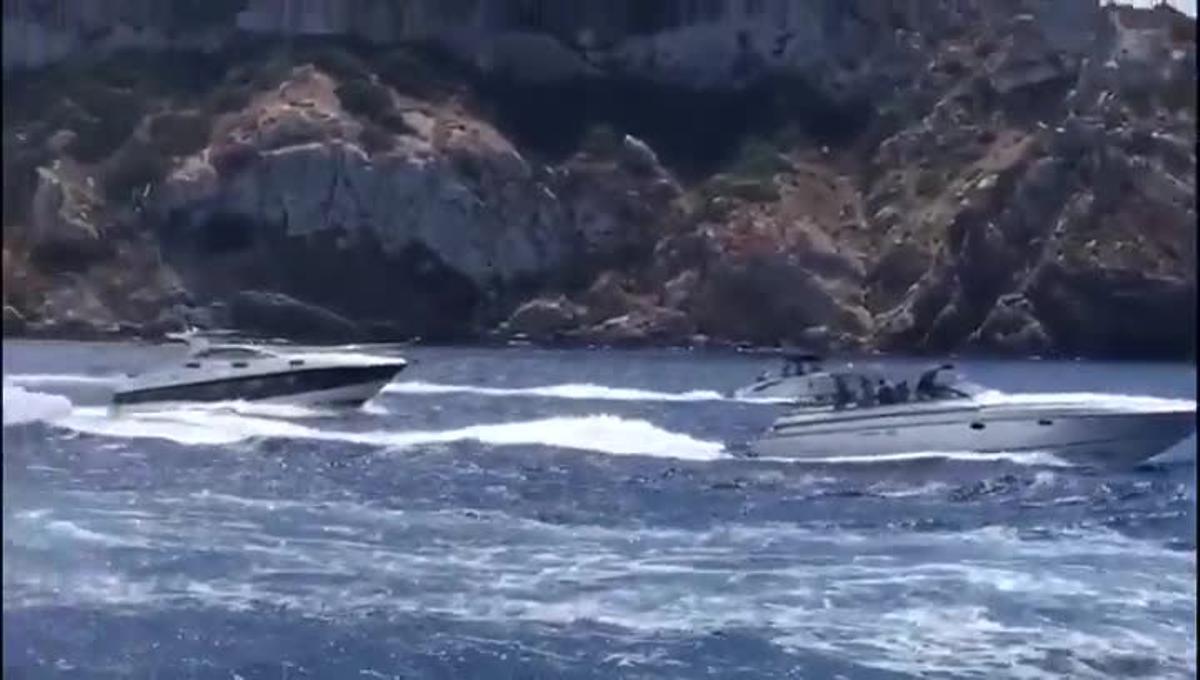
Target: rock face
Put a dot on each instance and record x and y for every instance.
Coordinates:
(709, 44)
(1009, 176)
(279, 315)
(543, 319)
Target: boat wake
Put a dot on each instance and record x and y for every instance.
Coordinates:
(232, 422)
(1100, 400)
(586, 391)
(227, 423)
(599, 433)
(22, 406)
(50, 379)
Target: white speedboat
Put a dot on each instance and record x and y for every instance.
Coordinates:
(243, 372)
(847, 415)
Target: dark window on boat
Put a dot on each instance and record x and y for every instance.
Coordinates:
(192, 364)
(239, 364)
(1045, 422)
(977, 426)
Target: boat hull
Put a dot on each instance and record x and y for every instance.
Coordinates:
(1117, 438)
(328, 385)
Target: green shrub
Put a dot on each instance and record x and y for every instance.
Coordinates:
(601, 140)
(190, 15)
(20, 178)
(135, 166)
(231, 158)
(119, 70)
(392, 120)
(230, 98)
(410, 73)
(109, 117)
(758, 159)
(341, 64)
(929, 183)
(180, 133)
(753, 189)
(364, 98)
(375, 138)
(272, 71)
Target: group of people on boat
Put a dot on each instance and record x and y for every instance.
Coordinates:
(883, 393)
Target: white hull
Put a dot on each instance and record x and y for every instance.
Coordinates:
(1072, 433)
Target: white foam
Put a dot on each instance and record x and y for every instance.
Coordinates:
(59, 379)
(1098, 400)
(23, 406)
(603, 433)
(189, 426)
(885, 609)
(563, 391)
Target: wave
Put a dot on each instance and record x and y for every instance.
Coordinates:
(1099, 400)
(775, 580)
(600, 433)
(564, 391)
(35, 379)
(24, 406)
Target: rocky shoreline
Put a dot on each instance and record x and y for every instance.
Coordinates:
(990, 178)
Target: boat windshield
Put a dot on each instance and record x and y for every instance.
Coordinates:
(799, 365)
(856, 388)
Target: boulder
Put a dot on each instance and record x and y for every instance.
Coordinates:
(607, 297)
(544, 318)
(680, 292)
(63, 234)
(899, 267)
(765, 300)
(646, 326)
(1011, 327)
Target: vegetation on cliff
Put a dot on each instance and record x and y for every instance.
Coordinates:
(991, 192)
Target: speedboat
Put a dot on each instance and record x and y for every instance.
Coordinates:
(847, 414)
(245, 372)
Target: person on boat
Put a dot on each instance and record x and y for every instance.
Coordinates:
(841, 393)
(884, 393)
(867, 395)
(925, 387)
(902, 392)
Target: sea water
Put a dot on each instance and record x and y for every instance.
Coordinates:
(571, 514)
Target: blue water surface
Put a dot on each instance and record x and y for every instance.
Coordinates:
(570, 514)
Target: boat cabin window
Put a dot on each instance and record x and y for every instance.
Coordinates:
(230, 353)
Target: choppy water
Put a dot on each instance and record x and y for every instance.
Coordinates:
(536, 514)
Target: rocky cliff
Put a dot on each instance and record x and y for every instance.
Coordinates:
(1002, 175)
